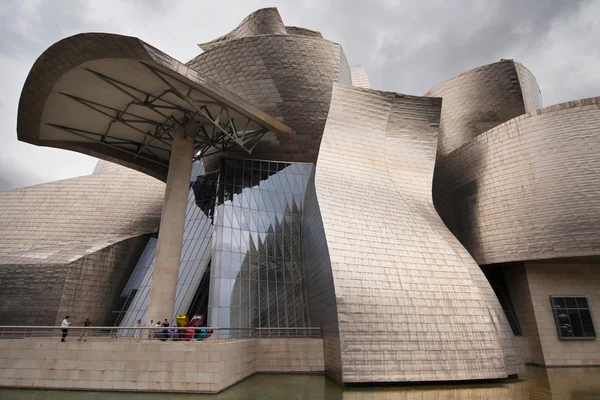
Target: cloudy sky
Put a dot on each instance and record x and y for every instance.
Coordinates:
(406, 46)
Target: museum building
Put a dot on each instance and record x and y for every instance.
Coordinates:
(446, 237)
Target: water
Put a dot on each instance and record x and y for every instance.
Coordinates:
(540, 384)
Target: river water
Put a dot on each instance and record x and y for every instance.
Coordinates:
(539, 384)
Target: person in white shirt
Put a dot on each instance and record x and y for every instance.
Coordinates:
(65, 328)
(138, 332)
(150, 325)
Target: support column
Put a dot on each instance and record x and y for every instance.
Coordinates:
(170, 236)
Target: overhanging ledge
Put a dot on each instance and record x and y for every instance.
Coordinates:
(117, 98)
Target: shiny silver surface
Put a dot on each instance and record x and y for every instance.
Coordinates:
(289, 75)
(411, 304)
(69, 246)
(484, 97)
(360, 77)
(527, 189)
(265, 21)
(120, 99)
(320, 288)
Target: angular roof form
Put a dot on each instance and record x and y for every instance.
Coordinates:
(120, 99)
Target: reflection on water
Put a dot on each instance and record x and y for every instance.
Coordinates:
(539, 384)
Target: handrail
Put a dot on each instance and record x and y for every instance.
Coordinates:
(163, 333)
(152, 327)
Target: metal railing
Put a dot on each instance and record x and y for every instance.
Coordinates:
(171, 333)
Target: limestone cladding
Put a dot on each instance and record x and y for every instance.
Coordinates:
(527, 189)
(123, 364)
(482, 98)
(518, 287)
(412, 305)
(561, 278)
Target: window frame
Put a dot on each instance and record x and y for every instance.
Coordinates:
(557, 324)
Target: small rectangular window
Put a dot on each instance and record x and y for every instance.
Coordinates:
(572, 317)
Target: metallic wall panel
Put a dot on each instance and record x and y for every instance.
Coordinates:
(81, 280)
(532, 95)
(527, 189)
(360, 77)
(319, 282)
(65, 246)
(412, 305)
(479, 99)
(289, 77)
(98, 206)
(265, 21)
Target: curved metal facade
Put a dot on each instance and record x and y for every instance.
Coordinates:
(75, 243)
(265, 21)
(527, 189)
(482, 98)
(289, 76)
(411, 304)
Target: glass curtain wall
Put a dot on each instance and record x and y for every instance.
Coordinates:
(257, 276)
(195, 256)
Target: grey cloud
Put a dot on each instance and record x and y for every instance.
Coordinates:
(28, 28)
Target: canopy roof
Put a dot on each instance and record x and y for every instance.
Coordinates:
(117, 98)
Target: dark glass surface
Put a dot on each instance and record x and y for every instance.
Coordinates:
(498, 283)
(572, 317)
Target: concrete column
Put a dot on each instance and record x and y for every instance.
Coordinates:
(170, 237)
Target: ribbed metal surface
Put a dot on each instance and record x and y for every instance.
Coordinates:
(412, 305)
(287, 76)
(67, 247)
(527, 189)
(319, 282)
(480, 99)
(360, 77)
(265, 21)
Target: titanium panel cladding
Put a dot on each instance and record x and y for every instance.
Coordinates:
(482, 98)
(412, 304)
(289, 76)
(527, 189)
(68, 246)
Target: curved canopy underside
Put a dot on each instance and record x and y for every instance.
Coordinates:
(117, 98)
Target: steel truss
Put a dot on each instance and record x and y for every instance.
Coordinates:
(213, 132)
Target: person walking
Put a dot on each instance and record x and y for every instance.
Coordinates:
(65, 328)
(138, 332)
(84, 331)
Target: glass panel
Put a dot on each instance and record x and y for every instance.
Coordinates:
(576, 323)
(559, 302)
(582, 302)
(564, 324)
(588, 325)
(571, 302)
(259, 243)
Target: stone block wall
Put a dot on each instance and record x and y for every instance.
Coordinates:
(123, 364)
(564, 279)
(531, 284)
